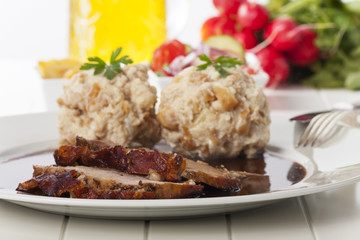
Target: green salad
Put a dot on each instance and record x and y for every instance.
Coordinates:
(339, 42)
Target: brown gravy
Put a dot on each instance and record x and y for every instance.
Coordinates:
(282, 172)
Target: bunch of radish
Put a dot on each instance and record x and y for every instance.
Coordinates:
(277, 43)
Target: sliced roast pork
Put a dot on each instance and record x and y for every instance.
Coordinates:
(222, 178)
(93, 182)
(158, 165)
(161, 166)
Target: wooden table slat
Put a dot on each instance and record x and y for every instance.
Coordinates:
(209, 228)
(335, 214)
(95, 229)
(18, 222)
(283, 220)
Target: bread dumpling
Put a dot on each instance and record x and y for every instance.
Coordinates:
(121, 110)
(206, 116)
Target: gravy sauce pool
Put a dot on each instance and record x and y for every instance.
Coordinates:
(282, 172)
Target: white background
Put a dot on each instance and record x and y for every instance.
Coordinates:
(38, 29)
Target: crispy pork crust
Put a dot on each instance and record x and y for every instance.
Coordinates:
(162, 166)
(222, 178)
(168, 166)
(97, 183)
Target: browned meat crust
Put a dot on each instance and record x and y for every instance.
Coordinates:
(63, 184)
(224, 179)
(137, 161)
(143, 161)
(94, 183)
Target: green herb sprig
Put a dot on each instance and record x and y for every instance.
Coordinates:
(112, 68)
(219, 64)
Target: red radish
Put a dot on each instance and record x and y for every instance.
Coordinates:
(228, 7)
(307, 33)
(282, 34)
(246, 38)
(273, 64)
(227, 26)
(306, 52)
(252, 16)
(304, 55)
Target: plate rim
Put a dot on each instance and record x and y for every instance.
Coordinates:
(160, 204)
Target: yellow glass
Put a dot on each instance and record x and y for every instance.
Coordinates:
(97, 27)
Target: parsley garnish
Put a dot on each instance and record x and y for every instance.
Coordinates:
(219, 64)
(110, 69)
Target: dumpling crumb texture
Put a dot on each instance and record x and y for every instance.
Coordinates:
(121, 110)
(206, 116)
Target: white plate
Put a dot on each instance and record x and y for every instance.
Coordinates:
(31, 133)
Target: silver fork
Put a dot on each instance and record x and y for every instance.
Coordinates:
(320, 128)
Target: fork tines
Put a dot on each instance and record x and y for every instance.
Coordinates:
(320, 129)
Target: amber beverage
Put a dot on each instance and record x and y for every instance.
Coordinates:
(98, 27)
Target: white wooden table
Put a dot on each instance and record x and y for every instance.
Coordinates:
(323, 216)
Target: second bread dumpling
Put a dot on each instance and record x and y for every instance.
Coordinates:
(206, 116)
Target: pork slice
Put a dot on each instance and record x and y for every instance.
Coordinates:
(159, 165)
(201, 172)
(92, 182)
(222, 178)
